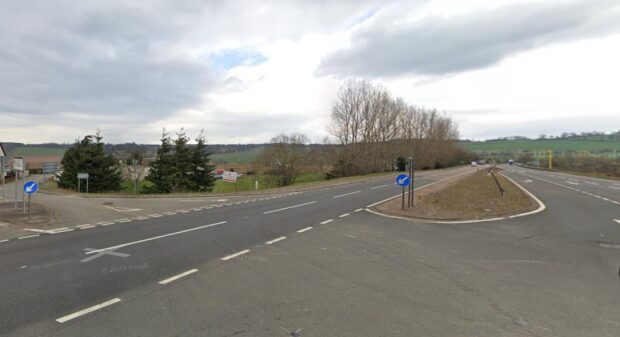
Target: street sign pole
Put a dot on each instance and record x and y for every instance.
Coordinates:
(409, 187)
(23, 193)
(86, 185)
(16, 180)
(403, 180)
(29, 207)
(412, 181)
(79, 189)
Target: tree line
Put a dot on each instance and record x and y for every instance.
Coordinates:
(374, 128)
(178, 167)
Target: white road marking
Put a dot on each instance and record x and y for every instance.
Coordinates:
(156, 237)
(141, 217)
(176, 277)
(28, 237)
(58, 231)
(123, 209)
(343, 215)
(417, 188)
(169, 213)
(289, 207)
(614, 187)
(617, 220)
(344, 195)
(275, 240)
(155, 215)
(87, 227)
(571, 182)
(351, 236)
(591, 183)
(608, 245)
(88, 310)
(6, 240)
(380, 186)
(358, 210)
(123, 220)
(327, 221)
(222, 200)
(305, 229)
(235, 255)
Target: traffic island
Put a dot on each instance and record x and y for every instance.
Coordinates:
(40, 216)
(483, 194)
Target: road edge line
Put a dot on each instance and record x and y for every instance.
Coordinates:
(541, 205)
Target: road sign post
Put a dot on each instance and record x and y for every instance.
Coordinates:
(18, 166)
(81, 176)
(404, 181)
(3, 173)
(30, 188)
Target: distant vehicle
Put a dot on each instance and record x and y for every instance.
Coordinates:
(510, 161)
(474, 164)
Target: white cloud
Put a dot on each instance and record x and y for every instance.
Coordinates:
(131, 68)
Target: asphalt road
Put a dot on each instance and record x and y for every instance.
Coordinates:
(46, 277)
(257, 268)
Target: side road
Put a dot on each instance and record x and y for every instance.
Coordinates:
(71, 210)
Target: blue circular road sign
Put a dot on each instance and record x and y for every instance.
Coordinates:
(403, 180)
(31, 187)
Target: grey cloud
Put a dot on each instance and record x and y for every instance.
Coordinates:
(96, 61)
(447, 45)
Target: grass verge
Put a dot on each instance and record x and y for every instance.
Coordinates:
(470, 197)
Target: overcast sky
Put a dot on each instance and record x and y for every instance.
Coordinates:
(246, 70)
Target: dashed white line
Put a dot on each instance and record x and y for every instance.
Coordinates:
(327, 221)
(235, 255)
(87, 227)
(380, 186)
(614, 187)
(591, 183)
(305, 229)
(617, 220)
(571, 182)
(155, 215)
(275, 240)
(343, 215)
(6, 240)
(58, 231)
(358, 210)
(344, 195)
(176, 277)
(289, 207)
(88, 310)
(28, 237)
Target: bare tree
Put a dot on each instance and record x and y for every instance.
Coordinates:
(373, 129)
(283, 156)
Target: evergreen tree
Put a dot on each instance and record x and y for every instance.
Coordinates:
(202, 178)
(161, 170)
(183, 170)
(88, 156)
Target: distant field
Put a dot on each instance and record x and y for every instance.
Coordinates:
(34, 151)
(241, 157)
(541, 145)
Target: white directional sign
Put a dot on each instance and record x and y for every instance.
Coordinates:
(230, 177)
(18, 164)
(82, 175)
